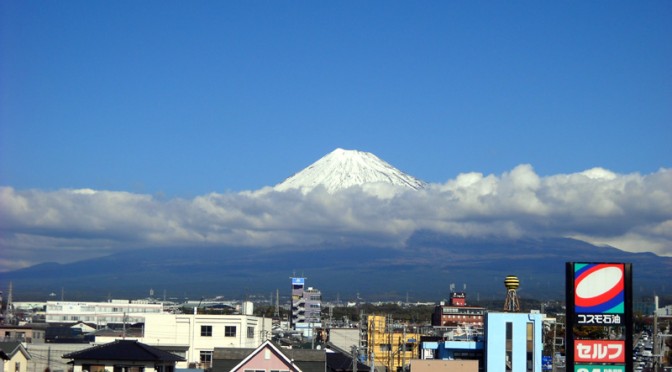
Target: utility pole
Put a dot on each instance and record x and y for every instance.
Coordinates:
(372, 346)
(354, 358)
(555, 326)
(331, 316)
(123, 335)
(276, 313)
(656, 350)
(403, 352)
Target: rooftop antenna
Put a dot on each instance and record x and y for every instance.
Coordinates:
(9, 309)
(276, 313)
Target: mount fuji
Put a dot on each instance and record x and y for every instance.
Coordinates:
(342, 169)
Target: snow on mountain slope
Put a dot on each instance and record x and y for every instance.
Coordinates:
(341, 169)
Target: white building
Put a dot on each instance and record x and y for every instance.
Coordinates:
(100, 313)
(664, 311)
(195, 336)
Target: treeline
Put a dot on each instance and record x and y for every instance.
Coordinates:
(414, 314)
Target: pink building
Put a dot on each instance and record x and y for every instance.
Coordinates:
(268, 357)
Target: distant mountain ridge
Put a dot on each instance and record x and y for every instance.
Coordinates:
(341, 169)
(424, 268)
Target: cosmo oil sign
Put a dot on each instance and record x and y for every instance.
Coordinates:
(599, 296)
(599, 293)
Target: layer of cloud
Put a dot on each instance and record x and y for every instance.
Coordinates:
(629, 211)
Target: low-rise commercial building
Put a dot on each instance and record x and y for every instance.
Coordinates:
(195, 336)
(100, 313)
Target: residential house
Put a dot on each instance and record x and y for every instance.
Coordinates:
(25, 333)
(48, 355)
(195, 336)
(17, 354)
(268, 357)
(123, 356)
(3, 358)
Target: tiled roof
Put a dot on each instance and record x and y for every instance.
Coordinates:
(11, 347)
(128, 350)
(225, 359)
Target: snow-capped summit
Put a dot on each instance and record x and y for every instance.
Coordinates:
(341, 169)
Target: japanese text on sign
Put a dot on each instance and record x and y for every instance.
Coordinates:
(599, 351)
(598, 319)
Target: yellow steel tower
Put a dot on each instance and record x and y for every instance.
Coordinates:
(511, 304)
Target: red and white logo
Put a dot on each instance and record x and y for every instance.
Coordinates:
(599, 351)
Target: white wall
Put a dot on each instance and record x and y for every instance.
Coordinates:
(185, 330)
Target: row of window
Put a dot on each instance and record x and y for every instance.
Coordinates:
(404, 347)
(448, 310)
(122, 368)
(229, 331)
(106, 309)
(93, 319)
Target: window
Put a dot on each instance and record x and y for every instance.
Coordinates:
(94, 367)
(385, 347)
(206, 359)
(250, 332)
(230, 331)
(206, 331)
(530, 346)
(509, 347)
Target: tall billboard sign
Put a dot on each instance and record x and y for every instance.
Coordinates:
(599, 294)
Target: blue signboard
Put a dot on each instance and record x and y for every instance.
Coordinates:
(546, 363)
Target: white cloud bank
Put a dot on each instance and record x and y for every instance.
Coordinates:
(629, 211)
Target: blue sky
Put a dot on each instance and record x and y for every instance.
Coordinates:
(526, 118)
(186, 98)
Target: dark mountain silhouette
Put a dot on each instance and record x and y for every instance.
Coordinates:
(423, 269)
